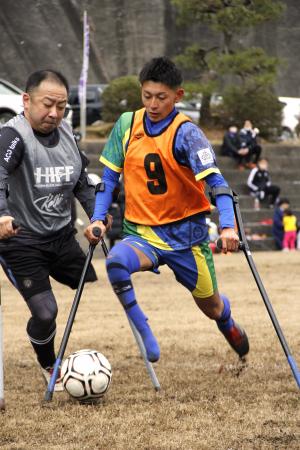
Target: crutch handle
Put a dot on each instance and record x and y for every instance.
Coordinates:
(220, 245)
(96, 231)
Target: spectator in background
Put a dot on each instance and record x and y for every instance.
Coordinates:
(260, 185)
(233, 147)
(277, 228)
(248, 137)
(289, 230)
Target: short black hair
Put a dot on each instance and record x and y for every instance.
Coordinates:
(36, 78)
(161, 70)
(283, 200)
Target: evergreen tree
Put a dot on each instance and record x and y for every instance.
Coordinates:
(246, 71)
(122, 94)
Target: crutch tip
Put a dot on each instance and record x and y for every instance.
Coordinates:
(46, 402)
(2, 405)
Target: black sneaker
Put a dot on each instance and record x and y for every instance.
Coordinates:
(237, 339)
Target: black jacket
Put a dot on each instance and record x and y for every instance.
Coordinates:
(231, 144)
(258, 180)
(248, 138)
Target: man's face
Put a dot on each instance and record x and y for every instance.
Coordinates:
(159, 99)
(44, 107)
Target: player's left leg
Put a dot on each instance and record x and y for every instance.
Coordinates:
(217, 307)
(41, 330)
(194, 269)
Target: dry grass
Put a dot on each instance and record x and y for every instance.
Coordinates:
(205, 402)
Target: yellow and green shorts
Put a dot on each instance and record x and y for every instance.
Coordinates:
(192, 267)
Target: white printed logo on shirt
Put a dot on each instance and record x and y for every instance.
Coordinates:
(53, 175)
(205, 156)
(51, 204)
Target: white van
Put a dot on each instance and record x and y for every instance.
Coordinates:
(290, 115)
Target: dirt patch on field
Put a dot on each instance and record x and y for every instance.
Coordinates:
(208, 401)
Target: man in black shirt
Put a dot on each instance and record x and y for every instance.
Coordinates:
(41, 168)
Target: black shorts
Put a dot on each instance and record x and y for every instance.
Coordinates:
(29, 266)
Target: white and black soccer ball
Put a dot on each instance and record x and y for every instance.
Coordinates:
(86, 375)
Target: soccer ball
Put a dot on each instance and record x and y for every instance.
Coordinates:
(86, 375)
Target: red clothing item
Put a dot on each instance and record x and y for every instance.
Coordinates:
(289, 240)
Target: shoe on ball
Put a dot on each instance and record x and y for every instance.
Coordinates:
(237, 339)
(47, 372)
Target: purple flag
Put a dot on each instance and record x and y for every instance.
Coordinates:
(85, 63)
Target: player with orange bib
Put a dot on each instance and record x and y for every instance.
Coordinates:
(166, 161)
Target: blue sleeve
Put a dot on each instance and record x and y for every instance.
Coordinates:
(223, 201)
(192, 149)
(104, 199)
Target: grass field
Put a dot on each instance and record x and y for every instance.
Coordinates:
(206, 401)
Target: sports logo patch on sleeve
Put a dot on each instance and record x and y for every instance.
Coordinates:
(205, 156)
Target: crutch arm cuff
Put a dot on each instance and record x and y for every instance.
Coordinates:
(219, 190)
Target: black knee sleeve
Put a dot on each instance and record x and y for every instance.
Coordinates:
(41, 326)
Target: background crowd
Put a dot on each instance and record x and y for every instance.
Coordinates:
(243, 147)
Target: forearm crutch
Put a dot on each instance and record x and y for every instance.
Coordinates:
(244, 246)
(68, 329)
(139, 340)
